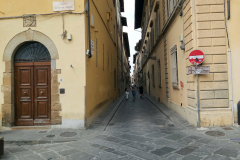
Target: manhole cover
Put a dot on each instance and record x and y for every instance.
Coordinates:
(227, 128)
(50, 136)
(215, 133)
(171, 125)
(68, 134)
(42, 132)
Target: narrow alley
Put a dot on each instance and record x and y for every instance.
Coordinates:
(140, 129)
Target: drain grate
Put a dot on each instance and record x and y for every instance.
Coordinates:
(227, 128)
(68, 134)
(50, 136)
(42, 132)
(215, 133)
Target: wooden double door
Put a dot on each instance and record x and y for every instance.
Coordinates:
(32, 93)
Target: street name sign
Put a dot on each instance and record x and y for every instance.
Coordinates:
(196, 57)
(63, 5)
(199, 70)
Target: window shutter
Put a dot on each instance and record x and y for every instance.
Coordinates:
(159, 74)
(96, 53)
(158, 13)
(174, 66)
(153, 78)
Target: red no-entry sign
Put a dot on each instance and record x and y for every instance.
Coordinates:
(196, 57)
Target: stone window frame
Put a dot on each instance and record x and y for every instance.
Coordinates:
(174, 67)
(8, 109)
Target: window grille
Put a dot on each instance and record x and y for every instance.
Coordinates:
(32, 52)
(174, 66)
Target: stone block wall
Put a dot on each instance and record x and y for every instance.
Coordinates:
(211, 39)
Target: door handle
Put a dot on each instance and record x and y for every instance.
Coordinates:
(25, 92)
(41, 92)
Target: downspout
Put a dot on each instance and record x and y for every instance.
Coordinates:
(117, 33)
(89, 32)
(230, 64)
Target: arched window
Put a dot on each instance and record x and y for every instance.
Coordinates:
(32, 52)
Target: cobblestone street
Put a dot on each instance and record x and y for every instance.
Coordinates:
(134, 130)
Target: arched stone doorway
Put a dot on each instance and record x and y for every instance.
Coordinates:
(8, 88)
(32, 85)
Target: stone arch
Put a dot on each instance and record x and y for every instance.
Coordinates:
(29, 35)
(8, 108)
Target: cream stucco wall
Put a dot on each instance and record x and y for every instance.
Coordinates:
(70, 53)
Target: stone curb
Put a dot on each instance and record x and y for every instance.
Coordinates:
(162, 108)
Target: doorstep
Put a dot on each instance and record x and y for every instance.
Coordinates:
(30, 127)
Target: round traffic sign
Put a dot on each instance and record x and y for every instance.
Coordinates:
(196, 57)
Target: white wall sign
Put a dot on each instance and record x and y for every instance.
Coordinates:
(63, 5)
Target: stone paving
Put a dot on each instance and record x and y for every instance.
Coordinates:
(130, 130)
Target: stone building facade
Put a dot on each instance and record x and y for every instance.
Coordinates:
(172, 29)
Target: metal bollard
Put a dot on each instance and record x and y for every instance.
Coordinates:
(238, 106)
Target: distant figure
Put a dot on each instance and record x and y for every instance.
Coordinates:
(126, 93)
(141, 91)
(133, 93)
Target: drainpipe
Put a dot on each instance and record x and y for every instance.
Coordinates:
(230, 64)
(89, 31)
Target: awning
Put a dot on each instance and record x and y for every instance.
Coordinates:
(126, 44)
(138, 13)
(124, 21)
(122, 5)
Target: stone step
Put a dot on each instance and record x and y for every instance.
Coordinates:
(30, 127)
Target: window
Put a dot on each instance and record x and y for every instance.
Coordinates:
(153, 77)
(103, 57)
(157, 25)
(174, 66)
(96, 54)
(152, 38)
(114, 34)
(170, 6)
(145, 79)
(159, 74)
(115, 79)
(114, 3)
(108, 61)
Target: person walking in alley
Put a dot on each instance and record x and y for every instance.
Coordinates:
(133, 93)
(126, 93)
(141, 91)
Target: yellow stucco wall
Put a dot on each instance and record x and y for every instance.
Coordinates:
(70, 52)
(100, 91)
(18, 8)
(234, 36)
